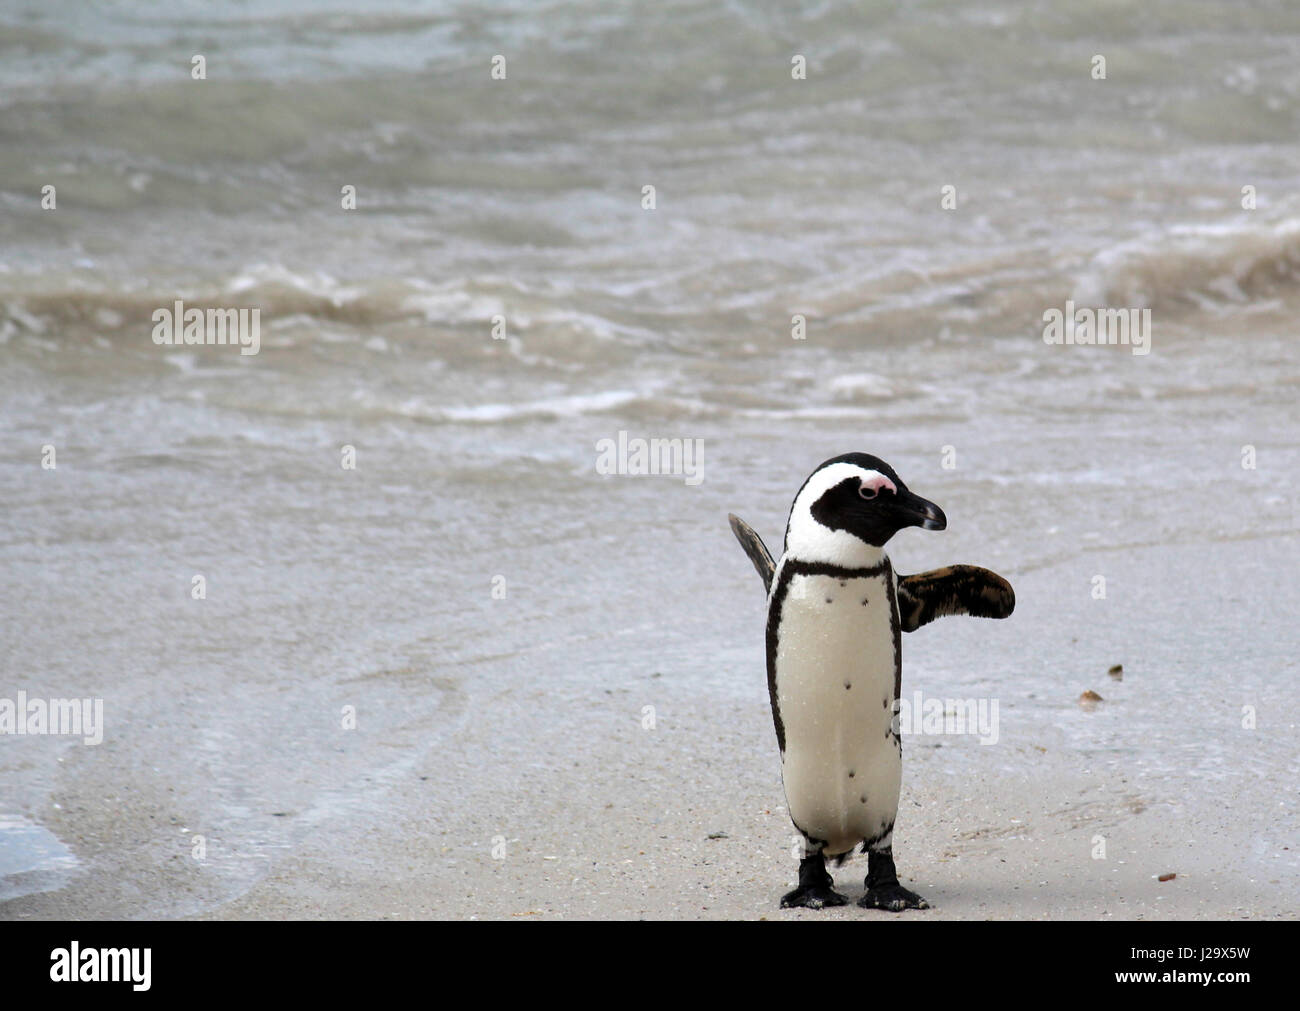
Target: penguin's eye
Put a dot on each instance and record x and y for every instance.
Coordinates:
(867, 492)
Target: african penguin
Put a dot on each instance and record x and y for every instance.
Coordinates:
(835, 614)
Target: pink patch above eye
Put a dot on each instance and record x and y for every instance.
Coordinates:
(877, 483)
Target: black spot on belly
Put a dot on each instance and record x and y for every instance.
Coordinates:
(843, 584)
(864, 798)
(847, 685)
(851, 774)
(864, 601)
(828, 600)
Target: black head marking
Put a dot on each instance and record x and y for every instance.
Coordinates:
(872, 512)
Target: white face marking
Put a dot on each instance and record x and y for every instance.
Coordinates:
(810, 541)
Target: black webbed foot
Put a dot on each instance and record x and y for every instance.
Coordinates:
(816, 897)
(894, 898)
(883, 889)
(815, 889)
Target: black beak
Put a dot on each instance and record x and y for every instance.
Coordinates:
(919, 512)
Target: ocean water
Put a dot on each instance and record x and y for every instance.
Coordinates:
(502, 299)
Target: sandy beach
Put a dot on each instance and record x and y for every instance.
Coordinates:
(384, 615)
(553, 804)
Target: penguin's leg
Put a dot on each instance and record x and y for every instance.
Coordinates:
(883, 889)
(815, 889)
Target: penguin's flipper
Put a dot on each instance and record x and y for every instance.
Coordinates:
(755, 548)
(954, 589)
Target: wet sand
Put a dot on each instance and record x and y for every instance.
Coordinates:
(502, 301)
(558, 804)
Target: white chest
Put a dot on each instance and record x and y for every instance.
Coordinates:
(833, 663)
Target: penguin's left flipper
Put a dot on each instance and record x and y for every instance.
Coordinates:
(755, 548)
(954, 589)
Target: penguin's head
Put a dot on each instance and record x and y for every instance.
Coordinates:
(850, 507)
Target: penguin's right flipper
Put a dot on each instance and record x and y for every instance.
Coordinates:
(755, 548)
(954, 589)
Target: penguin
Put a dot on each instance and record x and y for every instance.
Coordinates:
(836, 611)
